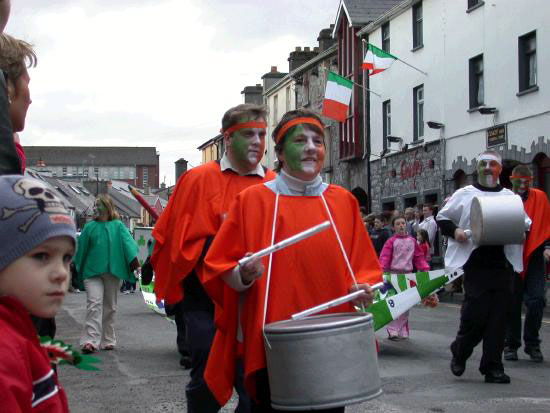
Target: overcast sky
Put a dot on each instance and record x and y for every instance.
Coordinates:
(153, 72)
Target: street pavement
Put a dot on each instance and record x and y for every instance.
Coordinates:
(143, 374)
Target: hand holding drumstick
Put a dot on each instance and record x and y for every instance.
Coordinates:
(251, 269)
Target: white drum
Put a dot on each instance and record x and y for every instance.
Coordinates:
(497, 220)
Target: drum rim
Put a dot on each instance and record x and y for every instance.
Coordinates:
(299, 326)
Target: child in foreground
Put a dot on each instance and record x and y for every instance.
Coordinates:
(400, 253)
(37, 238)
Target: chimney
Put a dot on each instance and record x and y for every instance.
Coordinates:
(325, 38)
(298, 57)
(181, 167)
(253, 94)
(271, 77)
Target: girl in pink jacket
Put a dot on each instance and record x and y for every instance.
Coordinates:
(399, 255)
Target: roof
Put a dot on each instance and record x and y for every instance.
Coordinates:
(88, 155)
(210, 142)
(387, 16)
(73, 192)
(362, 12)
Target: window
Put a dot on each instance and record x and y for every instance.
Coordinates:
(417, 25)
(474, 3)
(96, 171)
(476, 82)
(386, 37)
(145, 177)
(386, 122)
(418, 112)
(527, 48)
(275, 111)
(132, 173)
(64, 171)
(288, 98)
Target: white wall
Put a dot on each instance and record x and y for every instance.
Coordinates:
(280, 91)
(451, 38)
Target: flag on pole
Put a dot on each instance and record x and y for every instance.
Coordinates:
(376, 60)
(405, 291)
(337, 97)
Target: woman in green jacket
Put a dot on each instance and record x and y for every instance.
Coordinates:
(106, 255)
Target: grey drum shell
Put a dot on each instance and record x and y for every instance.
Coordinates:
(322, 361)
(497, 220)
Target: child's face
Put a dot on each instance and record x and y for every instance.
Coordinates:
(39, 279)
(419, 238)
(399, 226)
(378, 224)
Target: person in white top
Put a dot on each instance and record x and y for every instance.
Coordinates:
(488, 274)
(429, 224)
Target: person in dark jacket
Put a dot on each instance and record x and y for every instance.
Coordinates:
(379, 235)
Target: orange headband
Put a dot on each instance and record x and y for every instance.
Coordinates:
(529, 178)
(253, 124)
(294, 122)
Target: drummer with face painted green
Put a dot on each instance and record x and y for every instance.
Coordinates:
(488, 273)
(308, 273)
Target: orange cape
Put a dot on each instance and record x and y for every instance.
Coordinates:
(303, 275)
(538, 209)
(194, 213)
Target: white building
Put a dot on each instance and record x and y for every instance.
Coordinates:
(279, 99)
(487, 85)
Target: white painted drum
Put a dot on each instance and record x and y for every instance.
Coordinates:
(322, 361)
(497, 220)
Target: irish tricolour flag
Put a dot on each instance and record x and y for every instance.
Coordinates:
(377, 60)
(337, 97)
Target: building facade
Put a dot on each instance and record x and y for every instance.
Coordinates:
(485, 86)
(138, 166)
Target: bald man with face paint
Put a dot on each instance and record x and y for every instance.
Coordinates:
(529, 285)
(488, 274)
(186, 229)
(301, 276)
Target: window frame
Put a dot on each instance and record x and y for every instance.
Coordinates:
(417, 25)
(474, 81)
(385, 37)
(524, 60)
(418, 123)
(386, 126)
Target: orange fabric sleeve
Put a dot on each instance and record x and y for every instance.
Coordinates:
(538, 209)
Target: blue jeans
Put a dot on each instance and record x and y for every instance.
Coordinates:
(531, 291)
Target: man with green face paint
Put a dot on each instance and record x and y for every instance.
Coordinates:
(530, 284)
(185, 231)
(488, 274)
(301, 276)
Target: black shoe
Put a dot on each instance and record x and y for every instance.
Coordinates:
(457, 368)
(497, 377)
(185, 362)
(510, 354)
(535, 354)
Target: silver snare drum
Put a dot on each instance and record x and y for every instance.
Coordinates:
(322, 361)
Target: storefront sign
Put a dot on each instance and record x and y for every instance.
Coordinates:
(496, 136)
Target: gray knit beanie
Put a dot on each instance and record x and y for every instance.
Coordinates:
(30, 213)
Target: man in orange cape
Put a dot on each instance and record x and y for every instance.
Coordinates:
(300, 276)
(186, 228)
(529, 285)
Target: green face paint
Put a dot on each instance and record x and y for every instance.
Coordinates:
(520, 185)
(304, 153)
(488, 173)
(100, 208)
(247, 146)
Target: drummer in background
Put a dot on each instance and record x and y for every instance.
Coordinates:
(303, 275)
(488, 274)
(529, 285)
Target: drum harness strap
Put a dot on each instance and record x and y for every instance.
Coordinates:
(271, 258)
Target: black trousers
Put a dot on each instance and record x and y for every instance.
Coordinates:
(531, 291)
(263, 393)
(200, 335)
(484, 316)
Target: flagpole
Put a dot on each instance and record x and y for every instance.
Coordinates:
(402, 61)
(357, 84)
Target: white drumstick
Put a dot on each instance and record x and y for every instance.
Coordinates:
(286, 242)
(334, 303)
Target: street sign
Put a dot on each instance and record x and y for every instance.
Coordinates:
(496, 136)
